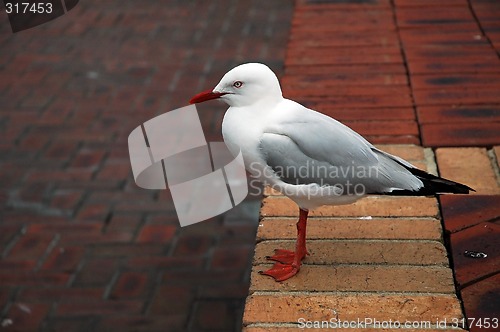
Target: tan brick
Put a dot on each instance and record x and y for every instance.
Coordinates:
(362, 252)
(496, 151)
(375, 206)
(470, 166)
(408, 152)
(342, 228)
(269, 308)
(359, 278)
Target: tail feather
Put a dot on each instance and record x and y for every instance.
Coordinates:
(433, 185)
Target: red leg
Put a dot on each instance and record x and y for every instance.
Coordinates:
(288, 262)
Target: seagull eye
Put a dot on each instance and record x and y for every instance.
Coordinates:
(238, 84)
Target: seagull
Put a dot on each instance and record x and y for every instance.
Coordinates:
(308, 156)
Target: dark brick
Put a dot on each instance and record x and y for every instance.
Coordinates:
(64, 259)
(234, 257)
(156, 233)
(193, 245)
(168, 263)
(44, 278)
(98, 308)
(58, 294)
(460, 212)
(482, 300)
(483, 237)
(31, 246)
(130, 285)
(460, 134)
(96, 272)
(172, 300)
(27, 316)
(160, 322)
(87, 159)
(215, 315)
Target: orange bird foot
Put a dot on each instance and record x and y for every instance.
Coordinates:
(281, 272)
(284, 256)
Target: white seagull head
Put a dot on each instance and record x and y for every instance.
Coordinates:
(245, 85)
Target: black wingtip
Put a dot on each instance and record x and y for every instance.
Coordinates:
(433, 185)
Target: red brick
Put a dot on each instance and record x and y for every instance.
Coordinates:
(368, 68)
(226, 291)
(115, 171)
(127, 249)
(430, 3)
(170, 263)
(438, 18)
(193, 245)
(44, 279)
(484, 237)
(87, 159)
(58, 294)
(124, 222)
(481, 302)
(456, 96)
(460, 212)
(385, 128)
(58, 175)
(348, 90)
(421, 37)
(110, 237)
(64, 259)
(335, 80)
(234, 257)
(156, 234)
(442, 66)
(458, 113)
(65, 227)
(60, 150)
(96, 272)
(14, 264)
(301, 39)
(460, 134)
(66, 199)
(31, 246)
(69, 324)
(175, 322)
(352, 100)
(99, 308)
(214, 315)
(457, 81)
(27, 316)
(202, 277)
(35, 194)
(172, 300)
(351, 59)
(451, 53)
(97, 211)
(130, 285)
(7, 233)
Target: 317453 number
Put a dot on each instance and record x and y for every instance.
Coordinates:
(27, 7)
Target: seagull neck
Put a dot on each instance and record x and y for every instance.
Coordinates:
(266, 103)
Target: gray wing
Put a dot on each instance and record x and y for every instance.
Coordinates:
(319, 149)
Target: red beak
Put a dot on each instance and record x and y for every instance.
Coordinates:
(206, 95)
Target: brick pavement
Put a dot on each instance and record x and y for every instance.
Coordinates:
(82, 248)
(402, 71)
